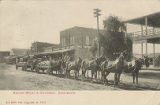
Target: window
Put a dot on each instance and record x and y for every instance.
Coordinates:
(72, 40)
(63, 42)
(87, 40)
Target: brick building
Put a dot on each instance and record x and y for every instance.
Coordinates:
(79, 38)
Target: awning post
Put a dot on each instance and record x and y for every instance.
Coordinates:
(142, 30)
(142, 49)
(146, 24)
(154, 56)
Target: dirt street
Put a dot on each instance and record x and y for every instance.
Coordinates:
(12, 79)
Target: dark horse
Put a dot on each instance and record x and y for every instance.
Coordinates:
(116, 67)
(75, 65)
(93, 65)
(134, 67)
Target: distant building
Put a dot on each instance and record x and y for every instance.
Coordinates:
(18, 52)
(51, 48)
(38, 47)
(3, 54)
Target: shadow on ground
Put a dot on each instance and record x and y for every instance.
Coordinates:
(123, 86)
(150, 75)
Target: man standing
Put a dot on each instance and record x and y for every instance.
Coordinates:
(146, 62)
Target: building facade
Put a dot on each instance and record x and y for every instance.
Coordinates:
(148, 33)
(3, 54)
(50, 49)
(18, 52)
(38, 47)
(77, 37)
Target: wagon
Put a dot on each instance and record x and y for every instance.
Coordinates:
(25, 62)
(54, 54)
(21, 64)
(10, 60)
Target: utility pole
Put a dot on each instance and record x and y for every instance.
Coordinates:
(97, 14)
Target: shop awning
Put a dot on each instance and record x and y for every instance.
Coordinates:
(56, 52)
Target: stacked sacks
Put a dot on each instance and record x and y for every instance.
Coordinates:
(44, 63)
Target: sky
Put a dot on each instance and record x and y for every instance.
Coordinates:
(25, 21)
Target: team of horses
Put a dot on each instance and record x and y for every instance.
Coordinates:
(99, 65)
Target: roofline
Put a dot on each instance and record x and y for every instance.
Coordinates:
(75, 27)
(4, 51)
(55, 52)
(141, 17)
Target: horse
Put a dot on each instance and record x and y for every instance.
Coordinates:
(34, 63)
(63, 66)
(89, 65)
(93, 65)
(116, 67)
(55, 66)
(75, 65)
(133, 67)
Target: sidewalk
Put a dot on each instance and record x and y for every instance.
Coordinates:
(151, 67)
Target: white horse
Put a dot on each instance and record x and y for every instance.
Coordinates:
(116, 67)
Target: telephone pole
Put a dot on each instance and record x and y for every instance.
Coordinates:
(97, 14)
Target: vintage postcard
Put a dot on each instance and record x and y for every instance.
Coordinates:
(85, 52)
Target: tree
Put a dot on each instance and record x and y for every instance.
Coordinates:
(113, 40)
(113, 23)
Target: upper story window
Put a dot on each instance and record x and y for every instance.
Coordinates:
(71, 40)
(87, 40)
(64, 42)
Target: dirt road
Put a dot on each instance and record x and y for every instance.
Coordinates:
(12, 79)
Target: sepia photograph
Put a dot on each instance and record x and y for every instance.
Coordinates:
(80, 45)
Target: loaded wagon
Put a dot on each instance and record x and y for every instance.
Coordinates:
(44, 62)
